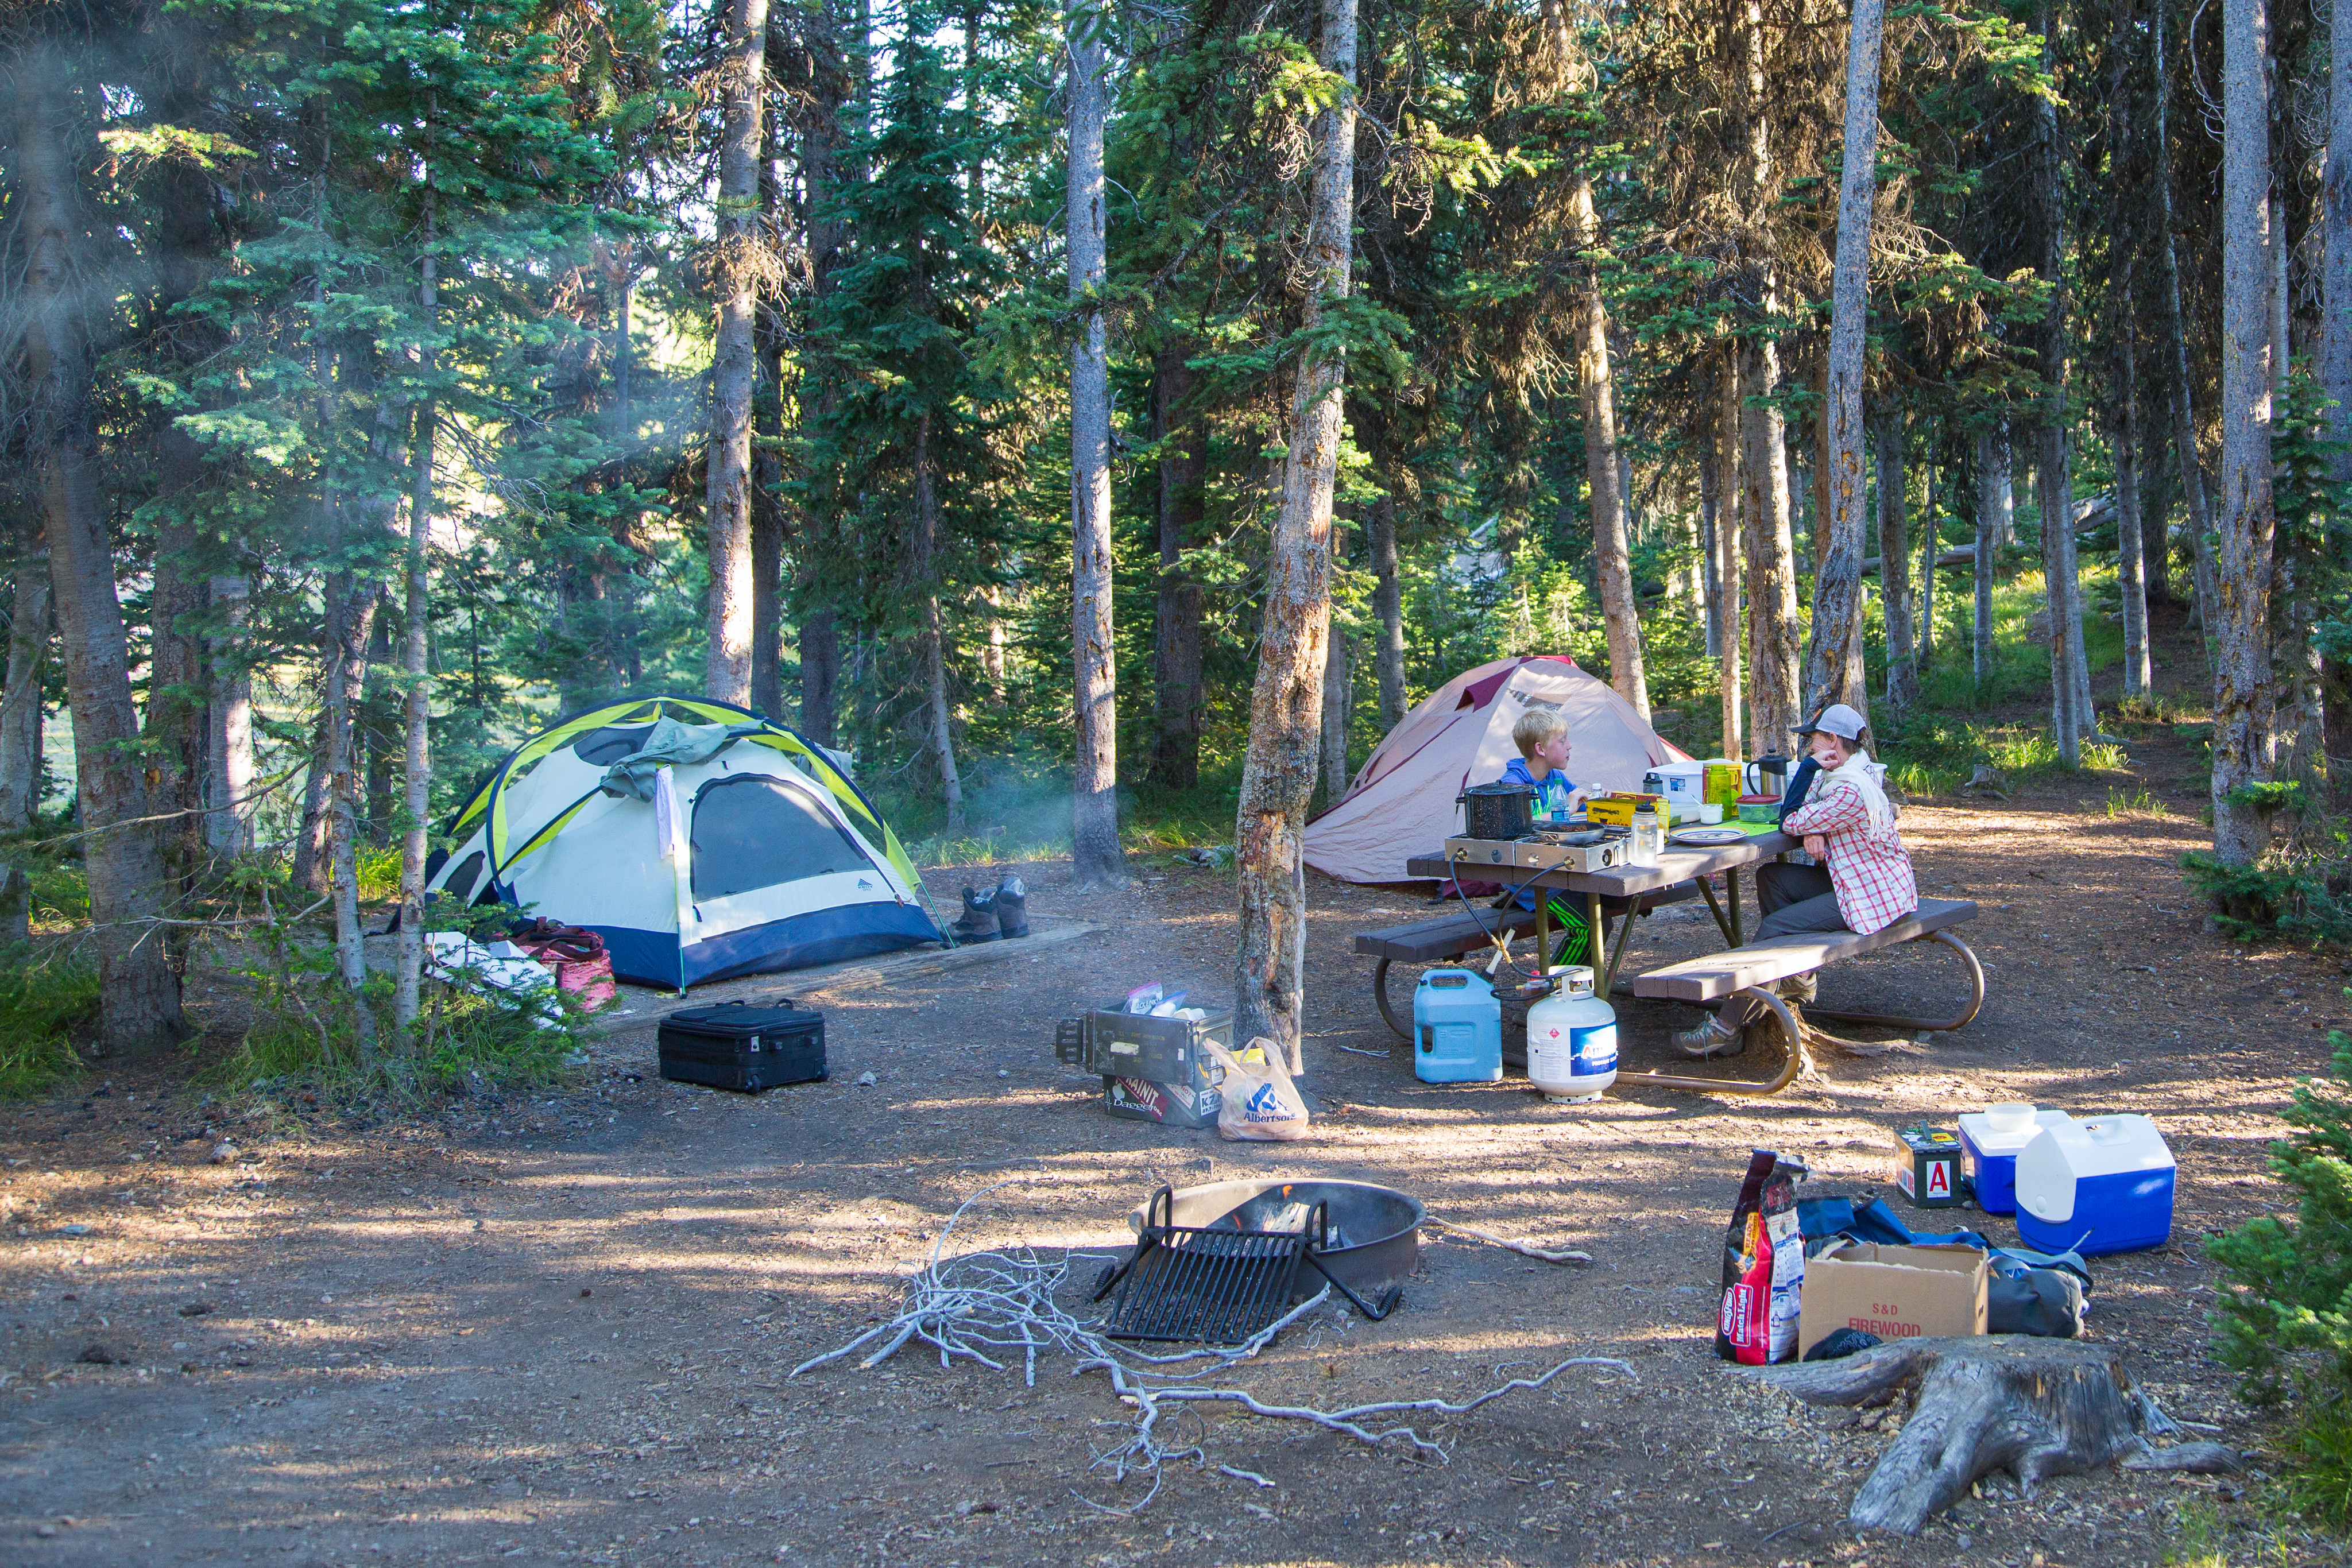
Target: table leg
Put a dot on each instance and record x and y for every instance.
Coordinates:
(1592, 953)
(1617, 953)
(1543, 929)
(1715, 907)
(1731, 887)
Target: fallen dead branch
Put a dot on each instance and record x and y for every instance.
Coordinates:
(990, 1307)
(1524, 1248)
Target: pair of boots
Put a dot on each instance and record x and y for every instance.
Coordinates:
(1000, 911)
(1714, 1039)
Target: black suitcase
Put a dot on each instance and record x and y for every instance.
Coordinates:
(736, 1045)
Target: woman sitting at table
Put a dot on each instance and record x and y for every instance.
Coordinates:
(1864, 883)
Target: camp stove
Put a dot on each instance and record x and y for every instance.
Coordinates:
(1217, 1285)
(1595, 849)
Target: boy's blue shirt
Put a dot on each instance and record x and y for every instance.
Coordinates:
(1553, 791)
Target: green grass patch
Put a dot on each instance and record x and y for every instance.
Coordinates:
(48, 999)
(316, 1033)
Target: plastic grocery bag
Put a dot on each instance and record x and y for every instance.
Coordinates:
(1261, 1104)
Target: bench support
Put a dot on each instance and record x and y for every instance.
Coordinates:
(1798, 1064)
(1925, 1026)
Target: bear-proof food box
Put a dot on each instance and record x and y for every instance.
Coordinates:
(1894, 1292)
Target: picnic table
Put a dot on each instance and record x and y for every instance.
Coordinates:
(1678, 867)
(1746, 970)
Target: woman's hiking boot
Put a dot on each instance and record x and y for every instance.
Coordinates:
(1711, 1038)
(1802, 988)
(1012, 897)
(978, 921)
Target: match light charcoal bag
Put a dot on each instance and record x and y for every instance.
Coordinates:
(1763, 1266)
(1261, 1104)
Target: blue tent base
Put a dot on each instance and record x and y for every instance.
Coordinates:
(801, 942)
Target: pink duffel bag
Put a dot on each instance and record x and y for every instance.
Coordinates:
(576, 955)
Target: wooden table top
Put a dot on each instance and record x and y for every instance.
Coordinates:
(1678, 865)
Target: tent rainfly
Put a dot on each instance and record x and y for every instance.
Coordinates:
(1402, 803)
(700, 840)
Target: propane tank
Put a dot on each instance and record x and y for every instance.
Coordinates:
(1572, 1038)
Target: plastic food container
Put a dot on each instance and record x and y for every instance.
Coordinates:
(1759, 808)
(1990, 1141)
(2100, 1185)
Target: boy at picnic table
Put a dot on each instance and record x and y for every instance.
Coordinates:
(1541, 736)
(1864, 883)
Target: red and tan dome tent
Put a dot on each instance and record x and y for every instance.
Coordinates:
(1402, 803)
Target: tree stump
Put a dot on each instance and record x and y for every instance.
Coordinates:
(2035, 1406)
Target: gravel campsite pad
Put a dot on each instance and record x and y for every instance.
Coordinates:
(558, 1328)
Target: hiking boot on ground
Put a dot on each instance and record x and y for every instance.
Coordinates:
(1012, 897)
(1711, 1038)
(978, 921)
(1802, 988)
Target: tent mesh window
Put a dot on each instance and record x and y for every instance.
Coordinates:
(603, 748)
(752, 832)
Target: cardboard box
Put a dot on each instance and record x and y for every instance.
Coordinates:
(1894, 1292)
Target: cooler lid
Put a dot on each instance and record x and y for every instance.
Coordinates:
(2067, 1153)
(1984, 1140)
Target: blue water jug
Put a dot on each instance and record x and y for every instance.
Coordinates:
(1457, 1029)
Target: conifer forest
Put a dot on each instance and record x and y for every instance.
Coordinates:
(1105, 422)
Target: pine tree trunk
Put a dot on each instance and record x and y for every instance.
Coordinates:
(138, 996)
(1728, 571)
(228, 743)
(1833, 673)
(820, 672)
(1338, 690)
(1611, 565)
(176, 721)
(1773, 636)
(2130, 557)
(1930, 546)
(1895, 564)
(1388, 602)
(1774, 672)
(1094, 779)
(311, 866)
(1176, 625)
(20, 700)
(769, 527)
(1710, 581)
(416, 705)
(934, 649)
(2069, 678)
(1286, 700)
(2335, 232)
(2175, 347)
(350, 621)
(2241, 564)
(1993, 487)
(735, 271)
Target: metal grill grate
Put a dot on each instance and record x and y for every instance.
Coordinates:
(1200, 1284)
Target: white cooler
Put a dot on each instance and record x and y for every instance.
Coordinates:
(1684, 785)
(2100, 1185)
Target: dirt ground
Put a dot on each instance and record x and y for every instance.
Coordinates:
(557, 1329)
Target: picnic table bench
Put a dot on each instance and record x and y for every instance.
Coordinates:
(1756, 967)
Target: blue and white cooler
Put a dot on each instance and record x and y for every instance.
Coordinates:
(2105, 1184)
(1990, 1141)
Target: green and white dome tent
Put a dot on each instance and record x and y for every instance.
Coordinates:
(700, 840)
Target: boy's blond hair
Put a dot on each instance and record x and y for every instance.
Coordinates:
(1536, 725)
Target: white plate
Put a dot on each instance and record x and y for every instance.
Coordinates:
(1705, 838)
